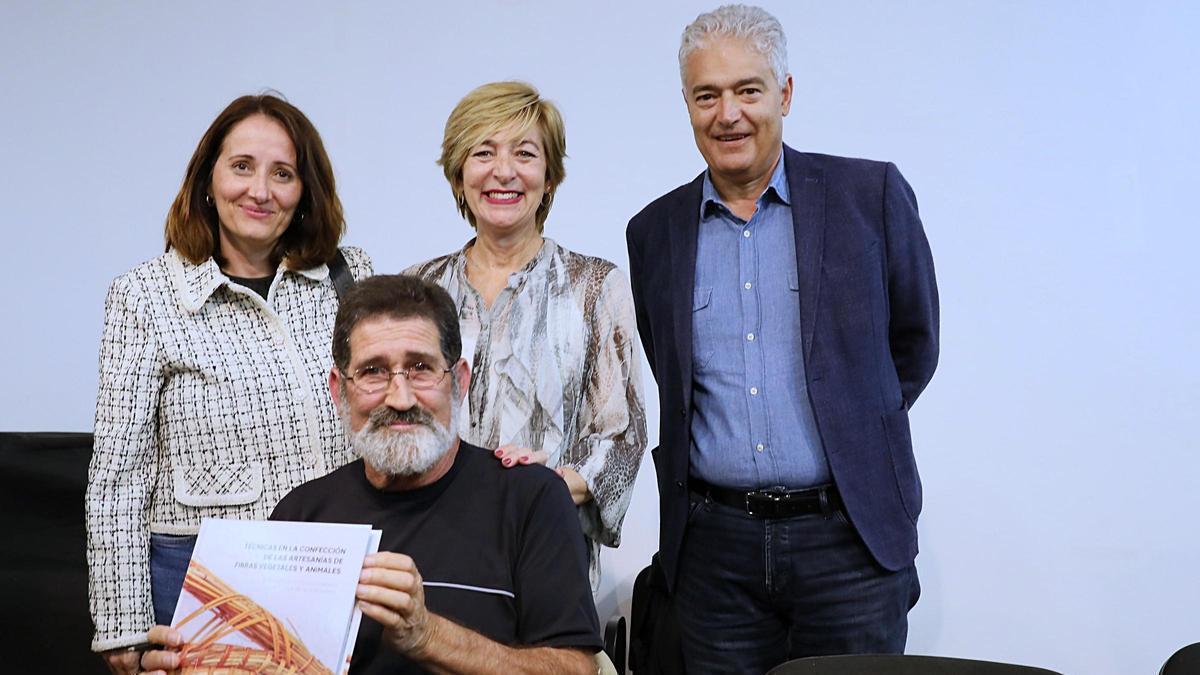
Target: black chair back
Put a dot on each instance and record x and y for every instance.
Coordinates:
(43, 563)
(614, 642)
(1186, 661)
(654, 647)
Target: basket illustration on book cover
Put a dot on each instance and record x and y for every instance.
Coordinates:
(279, 650)
(272, 597)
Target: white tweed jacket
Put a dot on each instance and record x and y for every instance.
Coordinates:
(213, 403)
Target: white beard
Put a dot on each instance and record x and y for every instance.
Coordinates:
(401, 453)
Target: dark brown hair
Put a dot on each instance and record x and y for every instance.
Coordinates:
(396, 296)
(317, 225)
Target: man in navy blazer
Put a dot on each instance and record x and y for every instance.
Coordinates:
(788, 308)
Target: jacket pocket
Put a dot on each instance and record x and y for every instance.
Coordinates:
(217, 484)
(908, 481)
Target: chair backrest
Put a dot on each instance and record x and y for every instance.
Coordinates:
(44, 593)
(654, 647)
(1186, 661)
(614, 643)
(900, 664)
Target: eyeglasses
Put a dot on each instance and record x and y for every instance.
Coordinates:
(374, 379)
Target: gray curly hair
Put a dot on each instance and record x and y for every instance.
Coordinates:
(754, 25)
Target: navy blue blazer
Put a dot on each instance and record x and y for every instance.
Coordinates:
(869, 336)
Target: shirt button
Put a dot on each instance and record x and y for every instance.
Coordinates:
(759, 447)
(746, 233)
(750, 337)
(754, 391)
(749, 285)
(300, 395)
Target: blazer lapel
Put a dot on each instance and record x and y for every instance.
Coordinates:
(683, 228)
(807, 186)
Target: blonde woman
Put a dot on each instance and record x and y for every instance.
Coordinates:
(551, 333)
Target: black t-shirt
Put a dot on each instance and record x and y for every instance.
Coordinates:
(500, 551)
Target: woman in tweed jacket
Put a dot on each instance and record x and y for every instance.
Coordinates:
(214, 364)
(551, 333)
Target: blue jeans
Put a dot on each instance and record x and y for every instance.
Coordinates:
(169, 557)
(752, 593)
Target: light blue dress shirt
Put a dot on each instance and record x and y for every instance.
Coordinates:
(752, 421)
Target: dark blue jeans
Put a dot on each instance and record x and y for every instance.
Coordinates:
(753, 593)
(169, 557)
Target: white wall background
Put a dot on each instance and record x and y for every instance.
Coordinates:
(1053, 147)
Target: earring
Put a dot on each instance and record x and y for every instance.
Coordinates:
(462, 202)
(547, 197)
(208, 199)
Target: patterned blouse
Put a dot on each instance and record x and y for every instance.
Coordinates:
(213, 403)
(554, 368)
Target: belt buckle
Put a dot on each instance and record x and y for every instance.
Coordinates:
(763, 498)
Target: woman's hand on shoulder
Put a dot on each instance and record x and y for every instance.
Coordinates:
(515, 455)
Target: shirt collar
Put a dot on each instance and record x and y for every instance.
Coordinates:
(195, 284)
(776, 190)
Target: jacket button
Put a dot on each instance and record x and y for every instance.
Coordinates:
(679, 483)
(683, 412)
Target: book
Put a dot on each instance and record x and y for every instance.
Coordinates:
(272, 597)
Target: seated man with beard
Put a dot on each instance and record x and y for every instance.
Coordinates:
(481, 568)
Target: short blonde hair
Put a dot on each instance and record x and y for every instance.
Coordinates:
(488, 109)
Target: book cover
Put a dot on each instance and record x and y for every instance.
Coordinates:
(272, 597)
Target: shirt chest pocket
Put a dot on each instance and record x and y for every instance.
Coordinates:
(704, 329)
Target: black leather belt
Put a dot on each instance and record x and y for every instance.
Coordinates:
(772, 503)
